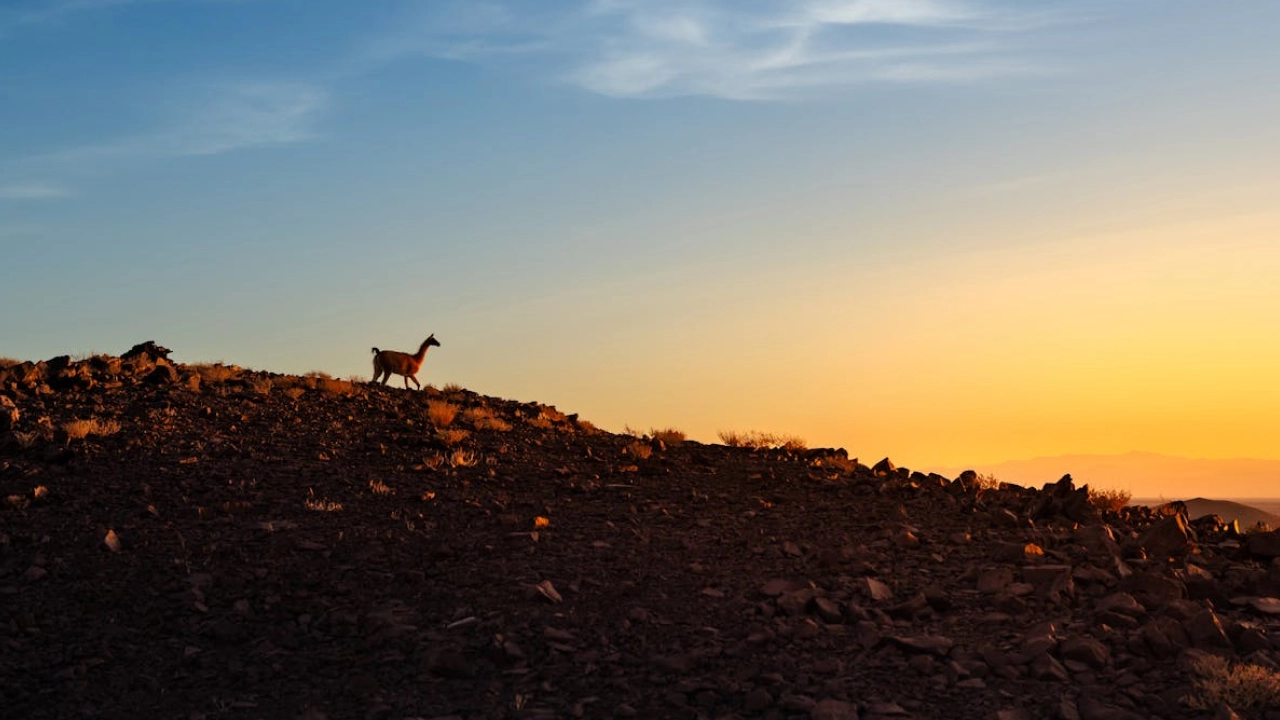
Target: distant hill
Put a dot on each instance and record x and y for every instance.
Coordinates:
(1142, 474)
(1228, 510)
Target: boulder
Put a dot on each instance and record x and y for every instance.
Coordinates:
(1168, 538)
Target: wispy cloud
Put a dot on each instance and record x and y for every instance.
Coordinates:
(45, 12)
(32, 191)
(222, 119)
(739, 49)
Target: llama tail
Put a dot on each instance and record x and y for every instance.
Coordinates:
(376, 351)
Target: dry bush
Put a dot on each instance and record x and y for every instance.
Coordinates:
(322, 505)
(477, 412)
(988, 482)
(434, 462)
(215, 372)
(1109, 500)
(77, 429)
(450, 388)
(588, 427)
(492, 423)
(670, 437)
(1243, 686)
(452, 437)
(762, 440)
(462, 458)
(26, 439)
(262, 386)
(335, 387)
(319, 374)
(294, 393)
(639, 449)
(441, 413)
(542, 423)
(380, 488)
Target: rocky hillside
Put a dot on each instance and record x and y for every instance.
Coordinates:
(208, 542)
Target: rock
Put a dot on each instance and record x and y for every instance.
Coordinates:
(1064, 499)
(1086, 650)
(776, 587)
(1091, 708)
(877, 590)
(994, 580)
(1265, 605)
(162, 375)
(9, 413)
(1206, 631)
(1168, 538)
(149, 350)
(933, 644)
(1265, 545)
(1153, 591)
(831, 709)
(795, 602)
(1122, 603)
(1045, 667)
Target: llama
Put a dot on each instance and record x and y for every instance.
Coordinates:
(386, 362)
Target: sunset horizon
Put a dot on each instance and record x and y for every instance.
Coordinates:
(951, 233)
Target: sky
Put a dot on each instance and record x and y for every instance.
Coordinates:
(942, 231)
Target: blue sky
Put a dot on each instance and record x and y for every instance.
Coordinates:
(845, 219)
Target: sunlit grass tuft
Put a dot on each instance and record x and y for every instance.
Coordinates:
(78, 429)
(761, 440)
(441, 413)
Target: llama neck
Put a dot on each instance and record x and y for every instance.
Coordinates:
(422, 352)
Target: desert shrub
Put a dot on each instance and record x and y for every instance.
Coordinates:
(215, 372)
(320, 374)
(294, 393)
(989, 482)
(588, 427)
(451, 437)
(1109, 500)
(542, 423)
(77, 429)
(1243, 686)
(441, 413)
(462, 458)
(450, 388)
(335, 387)
(492, 423)
(761, 440)
(261, 385)
(670, 437)
(26, 439)
(477, 412)
(380, 488)
(639, 449)
(322, 505)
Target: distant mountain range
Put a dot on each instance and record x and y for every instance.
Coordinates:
(1145, 475)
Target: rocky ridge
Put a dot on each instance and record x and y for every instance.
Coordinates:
(207, 541)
